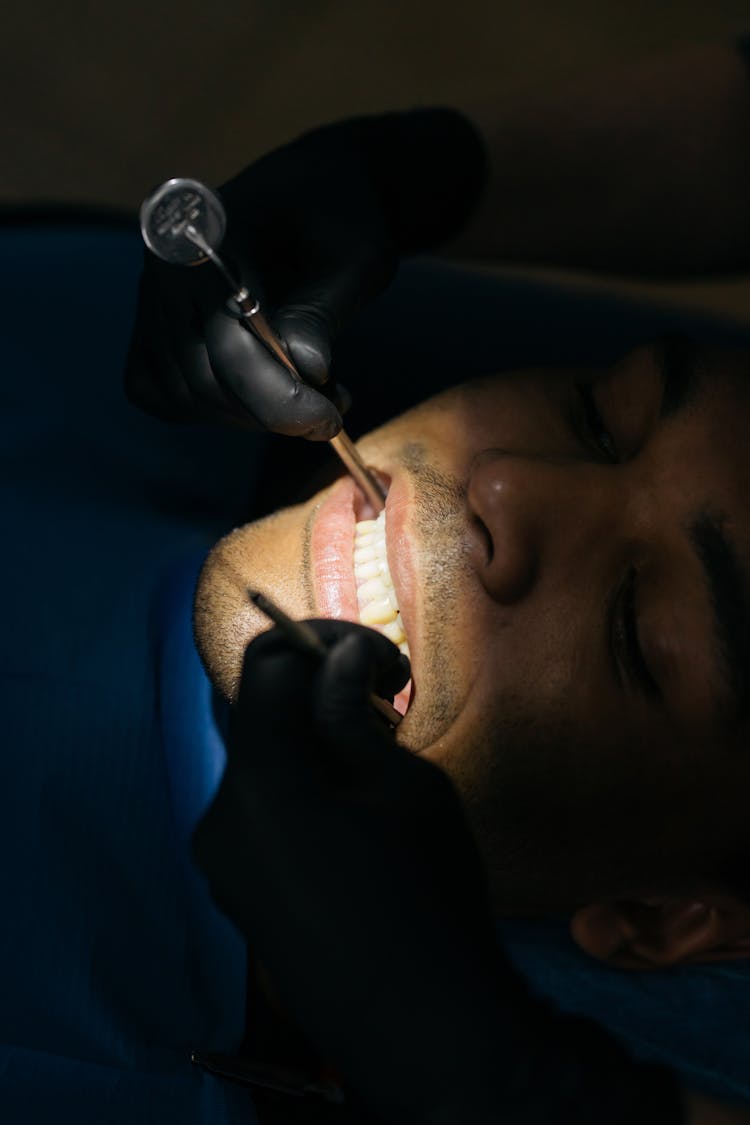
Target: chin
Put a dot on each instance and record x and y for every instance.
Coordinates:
(266, 555)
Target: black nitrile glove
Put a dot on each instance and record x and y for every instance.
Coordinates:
(315, 229)
(349, 866)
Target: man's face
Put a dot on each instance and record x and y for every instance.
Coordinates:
(567, 550)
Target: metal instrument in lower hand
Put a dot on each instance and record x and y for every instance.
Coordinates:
(183, 222)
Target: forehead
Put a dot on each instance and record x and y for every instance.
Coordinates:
(717, 465)
(716, 418)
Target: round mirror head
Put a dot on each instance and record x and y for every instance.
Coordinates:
(174, 206)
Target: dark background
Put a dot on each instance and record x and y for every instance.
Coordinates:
(102, 101)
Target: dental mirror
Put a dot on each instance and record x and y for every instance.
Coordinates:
(183, 222)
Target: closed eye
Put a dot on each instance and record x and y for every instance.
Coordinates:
(595, 431)
(626, 641)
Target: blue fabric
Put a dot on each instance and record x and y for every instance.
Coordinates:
(694, 1019)
(193, 719)
(113, 962)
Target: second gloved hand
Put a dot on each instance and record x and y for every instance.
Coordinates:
(347, 862)
(315, 229)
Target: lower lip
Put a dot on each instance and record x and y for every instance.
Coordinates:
(332, 552)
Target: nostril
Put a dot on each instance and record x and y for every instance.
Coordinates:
(507, 522)
(485, 537)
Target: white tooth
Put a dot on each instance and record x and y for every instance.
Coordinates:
(363, 555)
(369, 570)
(377, 613)
(385, 574)
(375, 593)
(370, 591)
(393, 631)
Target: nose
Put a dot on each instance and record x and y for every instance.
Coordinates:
(532, 515)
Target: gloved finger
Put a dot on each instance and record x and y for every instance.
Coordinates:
(360, 662)
(306, 333)
(176, 319)
(388, 671)
(182, 373)
(308, 339)
(277, 400)
(211, 399)
(282, 688)
(170, 324)
(353, 738)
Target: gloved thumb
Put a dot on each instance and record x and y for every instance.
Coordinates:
(361, 662)
(308, 337)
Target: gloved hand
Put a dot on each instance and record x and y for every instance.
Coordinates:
(315, 229)
(347, 862)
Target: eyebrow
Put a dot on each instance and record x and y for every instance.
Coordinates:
(680, 367)
(728, 587)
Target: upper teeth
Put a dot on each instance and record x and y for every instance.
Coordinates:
(377, 598)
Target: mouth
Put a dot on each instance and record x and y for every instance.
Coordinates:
(352, 552)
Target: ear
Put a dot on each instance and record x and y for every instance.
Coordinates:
(655, 933)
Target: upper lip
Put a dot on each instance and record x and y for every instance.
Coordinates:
(399, 551)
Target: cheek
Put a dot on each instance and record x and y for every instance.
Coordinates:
(488, 732)
(523, 752)
(493, 678)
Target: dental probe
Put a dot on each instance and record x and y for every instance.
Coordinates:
(183, 222)
(305, 638)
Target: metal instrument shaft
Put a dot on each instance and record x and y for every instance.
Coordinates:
(253, 318)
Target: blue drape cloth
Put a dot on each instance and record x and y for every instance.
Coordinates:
(114, 963)
(694, 1019)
